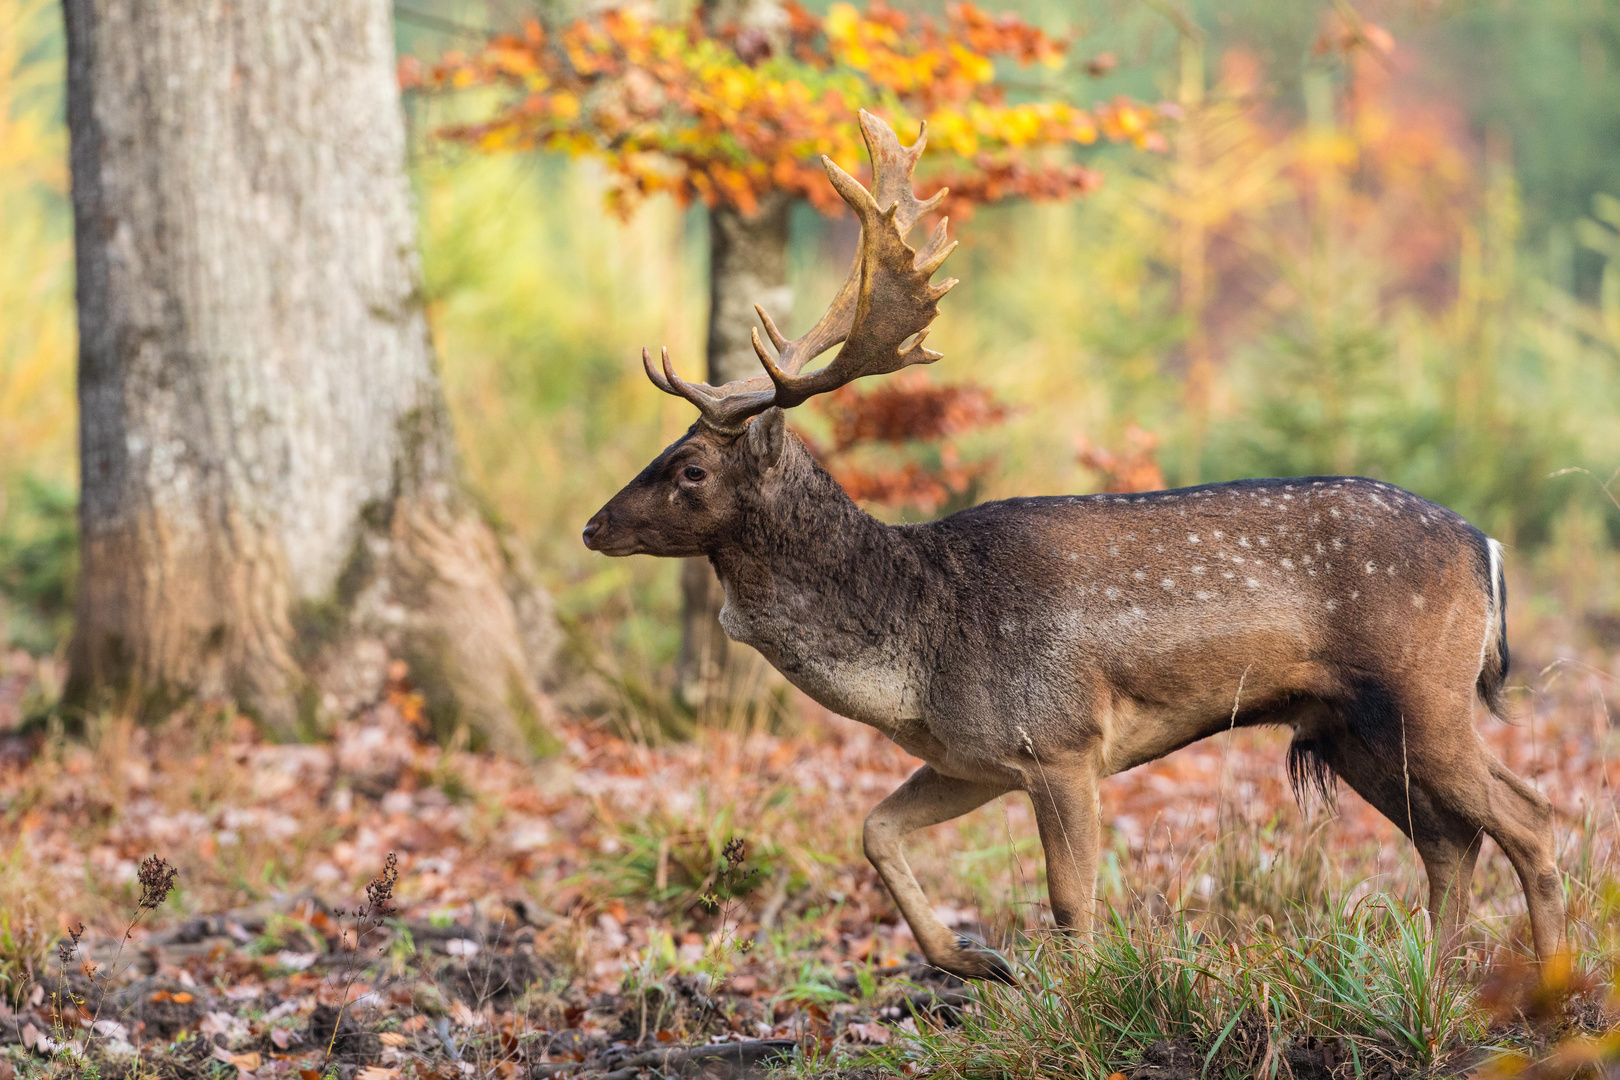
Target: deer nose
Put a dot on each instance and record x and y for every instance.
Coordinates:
(593, 529)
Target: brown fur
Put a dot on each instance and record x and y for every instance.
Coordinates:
(1041, 644)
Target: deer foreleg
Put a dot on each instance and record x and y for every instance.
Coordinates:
(1065, 798)
(928, 798)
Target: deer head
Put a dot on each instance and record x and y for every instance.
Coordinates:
(688, 500)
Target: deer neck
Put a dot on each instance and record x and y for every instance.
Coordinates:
(831, 597)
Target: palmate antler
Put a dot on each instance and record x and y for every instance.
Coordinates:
(881, 312)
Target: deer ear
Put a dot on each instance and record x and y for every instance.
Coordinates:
(766, 434)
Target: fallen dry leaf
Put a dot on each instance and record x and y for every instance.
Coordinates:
(392, 1038)
(248, 1062)
(870, 1033)
(377, 1072)
(280, 1038)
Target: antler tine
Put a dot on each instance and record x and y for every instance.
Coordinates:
(892, 301)
(724, 408)
(892, 166)
(881, 312)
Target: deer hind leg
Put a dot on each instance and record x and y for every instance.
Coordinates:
(1481, 791)
(1447, 843)
(1520, 820)
(1464, 781)
(1459, 791)
(928, 798)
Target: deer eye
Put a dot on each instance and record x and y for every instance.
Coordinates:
(693, 473)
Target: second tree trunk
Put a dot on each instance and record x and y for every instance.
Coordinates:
(747, 266)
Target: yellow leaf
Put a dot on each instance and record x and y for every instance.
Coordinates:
(842, 20)
(564, 106)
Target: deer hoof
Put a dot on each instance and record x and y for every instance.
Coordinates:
(975, 961)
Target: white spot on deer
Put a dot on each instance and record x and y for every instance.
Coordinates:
(1333, 605)
(1198, 569)
(1140, 575)
(1307, 560)
(1289, 498)
(1265, 502)
(1192, 538)
(1417, 601)
(1288, 564)
(1251, 583)
(1201, 594)
(1333, 510)
(1219, 535)
(1114, 551)
(1159, 548)
(1355, 594)
(1167, 583)
(1263, 541)
(1320, 550)
(1243, 541)
(1338, 543)
(1112, 594)
(1138, 612)
(1237, 560)
(1390, 570)
(1227, 574)
(1372, 567)
(1071, 556)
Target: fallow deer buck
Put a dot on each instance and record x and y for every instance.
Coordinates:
(1041, 644)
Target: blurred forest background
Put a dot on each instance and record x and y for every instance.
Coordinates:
(1380, 239)
(1400, 260)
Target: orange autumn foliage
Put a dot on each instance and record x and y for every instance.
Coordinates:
(906, 411)
(726, 116)
(1130, 469)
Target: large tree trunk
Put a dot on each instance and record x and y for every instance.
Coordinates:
(271, 503)
(747, 266)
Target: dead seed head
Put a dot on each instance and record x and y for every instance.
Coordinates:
(70, 944)
(157, 881)
(380, 893)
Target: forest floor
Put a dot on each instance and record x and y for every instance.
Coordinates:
(629, 910)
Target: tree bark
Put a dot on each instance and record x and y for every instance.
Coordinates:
(747, 266)
(271, 503)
